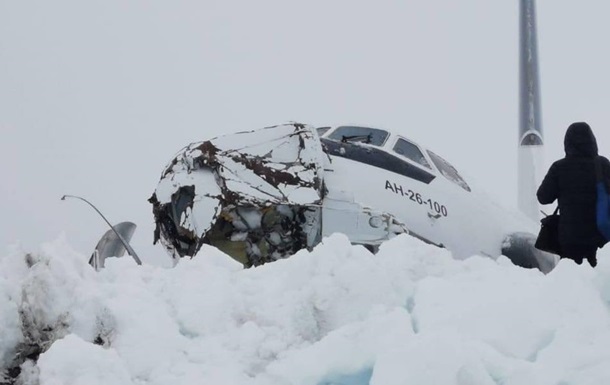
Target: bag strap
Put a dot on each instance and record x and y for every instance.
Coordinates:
(554, 212)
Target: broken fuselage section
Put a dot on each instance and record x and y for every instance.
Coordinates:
(258, 196)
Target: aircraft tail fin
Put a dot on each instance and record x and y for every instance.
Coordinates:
(531, 141)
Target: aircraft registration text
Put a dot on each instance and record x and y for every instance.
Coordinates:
(416, 197)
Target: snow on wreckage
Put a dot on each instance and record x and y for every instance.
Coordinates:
(255, 195)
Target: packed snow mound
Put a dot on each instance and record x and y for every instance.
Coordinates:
(338, 315)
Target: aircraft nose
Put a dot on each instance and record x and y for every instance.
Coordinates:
(185, 205)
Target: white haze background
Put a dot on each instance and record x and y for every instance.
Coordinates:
(96, 97)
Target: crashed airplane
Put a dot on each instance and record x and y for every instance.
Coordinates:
(262, 195)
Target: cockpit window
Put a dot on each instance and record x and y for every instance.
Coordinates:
(411, 151)
(322, 130)
(353, 134)
(448, 171)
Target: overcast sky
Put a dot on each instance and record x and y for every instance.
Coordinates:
(97, 96)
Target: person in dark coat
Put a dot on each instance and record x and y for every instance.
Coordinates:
(572, 181)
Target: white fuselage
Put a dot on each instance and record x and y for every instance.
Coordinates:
(440, 211)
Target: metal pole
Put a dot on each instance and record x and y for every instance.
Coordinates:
(531, 141)
(530, 117)
(130, 250)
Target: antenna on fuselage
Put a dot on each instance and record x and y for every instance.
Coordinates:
(531, 140)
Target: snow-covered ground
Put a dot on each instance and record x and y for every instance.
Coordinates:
(337, 315)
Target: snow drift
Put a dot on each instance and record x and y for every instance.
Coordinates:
(337, 315)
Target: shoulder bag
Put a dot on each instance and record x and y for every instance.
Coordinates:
(548, 237)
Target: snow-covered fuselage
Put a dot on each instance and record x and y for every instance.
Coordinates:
(263, 195)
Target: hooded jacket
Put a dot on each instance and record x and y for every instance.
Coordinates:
(572, 181)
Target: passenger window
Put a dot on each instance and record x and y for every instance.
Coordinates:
(353, 134)
(411, 151)
(448, 171)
